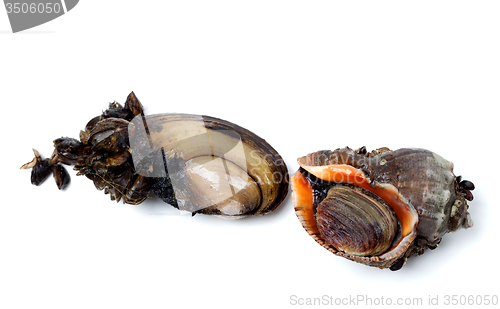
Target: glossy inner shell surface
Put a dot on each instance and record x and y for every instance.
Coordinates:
(216, 166)
(305, 207)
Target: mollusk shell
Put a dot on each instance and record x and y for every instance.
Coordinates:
(356, 221)
(214, 166)
(199, 164)
(418, 185)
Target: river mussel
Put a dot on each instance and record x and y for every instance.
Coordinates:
(199, 164)
(379, 208)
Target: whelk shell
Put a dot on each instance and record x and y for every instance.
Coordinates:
(348, 200)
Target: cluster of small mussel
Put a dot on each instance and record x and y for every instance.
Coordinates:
(376, 208)
(179, 158)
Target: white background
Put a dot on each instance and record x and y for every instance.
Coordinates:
(304, 75)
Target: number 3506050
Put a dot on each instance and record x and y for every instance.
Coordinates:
(33, 8)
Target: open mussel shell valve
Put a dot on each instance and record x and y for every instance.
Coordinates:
(379, 208)
(199, 164)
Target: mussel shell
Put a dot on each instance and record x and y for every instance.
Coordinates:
(41, 171)
(61, 176)
(215, 166)
(109, 136)
(67, 151)
(195, 163)
(356, 221)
